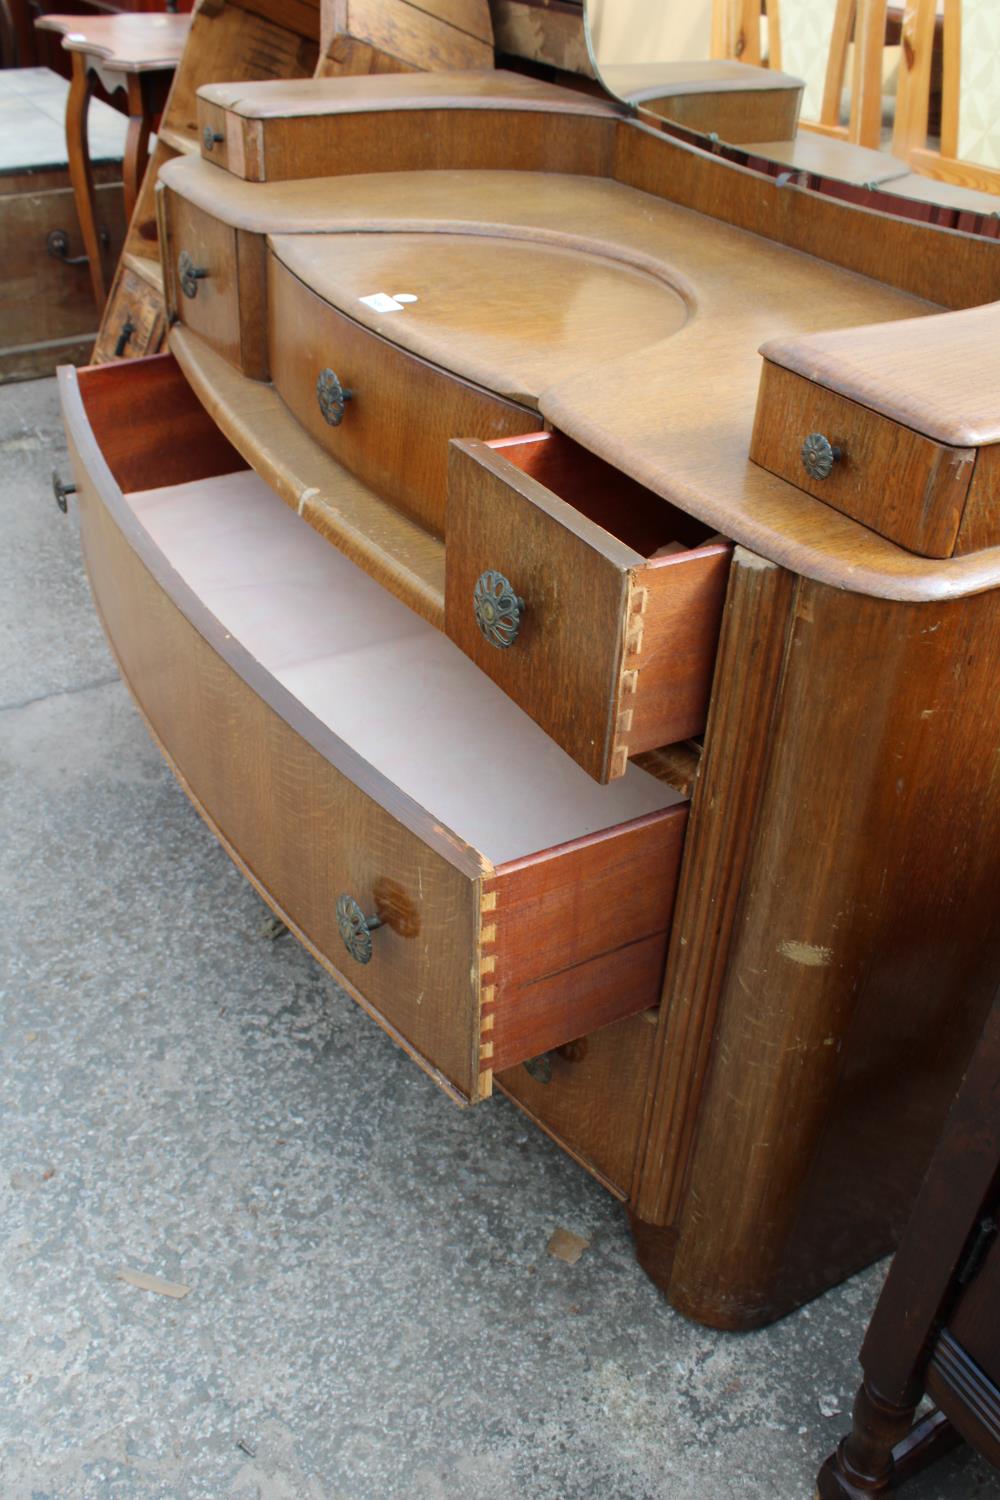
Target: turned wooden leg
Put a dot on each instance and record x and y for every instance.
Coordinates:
(883, 1449)
(80, 174)
(136, 145)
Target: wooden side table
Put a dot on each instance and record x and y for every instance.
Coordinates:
(134, 55)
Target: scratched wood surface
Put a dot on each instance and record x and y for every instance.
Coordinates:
(864, 954)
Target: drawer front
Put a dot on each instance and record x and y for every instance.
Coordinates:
(201, 275)
(395, 428)
(613, 654)
(134, 322)
(220, 138)
(591, 1094)
(896, 481)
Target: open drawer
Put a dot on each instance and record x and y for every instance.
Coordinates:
(591, 601)
(476, 892)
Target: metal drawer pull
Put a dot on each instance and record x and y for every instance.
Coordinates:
(497, 608)
(189, 274)
(819, 455)
(211, 138)
(61, 490)
(332, 397)
(128, 328)
(356, 929)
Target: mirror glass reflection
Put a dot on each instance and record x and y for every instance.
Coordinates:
(903, 95)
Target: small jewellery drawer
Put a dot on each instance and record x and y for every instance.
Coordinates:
(214, 281)
(591, 601)
(477, 893)
(386, 415)
(899, 482)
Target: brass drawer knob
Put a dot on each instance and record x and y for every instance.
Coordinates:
(356, 929)
(189, 274)
(497, 608)
(819, 456)
(211, 138)
(332, 397)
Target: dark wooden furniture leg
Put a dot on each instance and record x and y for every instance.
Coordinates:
(80, 174)
(946, 1248)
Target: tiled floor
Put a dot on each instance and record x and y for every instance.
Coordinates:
(33, 122)
(372, 1314)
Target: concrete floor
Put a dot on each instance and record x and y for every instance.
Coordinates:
(372, 1312)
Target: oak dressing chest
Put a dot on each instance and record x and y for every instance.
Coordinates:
(602, 756)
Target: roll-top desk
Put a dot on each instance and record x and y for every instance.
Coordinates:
(618, 726)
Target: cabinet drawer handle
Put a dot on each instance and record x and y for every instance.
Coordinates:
(189, 274)
(332, 397)
(211, 138)
(356, 929)
(60, 491)
(819, 456)
(497, 608)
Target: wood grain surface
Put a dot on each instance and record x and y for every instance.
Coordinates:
(723, 813)
(938, 375)
(396, 551)
(598, 623)
(136, 43)
(434, 138)
(513, 315)
(396, 427)
(592, 1104)
(677, 416)
(898, 482)
(214, 311)
(486, 88)
(436, 35)
(581, 936)
(141, 321)
(864, 955)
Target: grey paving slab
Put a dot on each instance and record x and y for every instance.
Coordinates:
(33, 122)
(372, 1314)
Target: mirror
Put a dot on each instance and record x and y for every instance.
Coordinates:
(901, 97)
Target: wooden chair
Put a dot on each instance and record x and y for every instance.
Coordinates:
(808, 38)
(936, 1327)
(969, 153)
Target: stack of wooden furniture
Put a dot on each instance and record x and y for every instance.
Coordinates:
(47, 312)
(241, 40)
(619, 728)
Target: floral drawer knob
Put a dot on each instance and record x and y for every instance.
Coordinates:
(332, 397)
(819, 456)
(497, 608)
(356, 929)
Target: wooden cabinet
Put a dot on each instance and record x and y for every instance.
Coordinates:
(705, 834)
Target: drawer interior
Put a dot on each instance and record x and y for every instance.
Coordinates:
(625, 509)
(382, 679)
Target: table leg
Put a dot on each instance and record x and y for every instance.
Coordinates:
(80, 174)
(136, 144)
